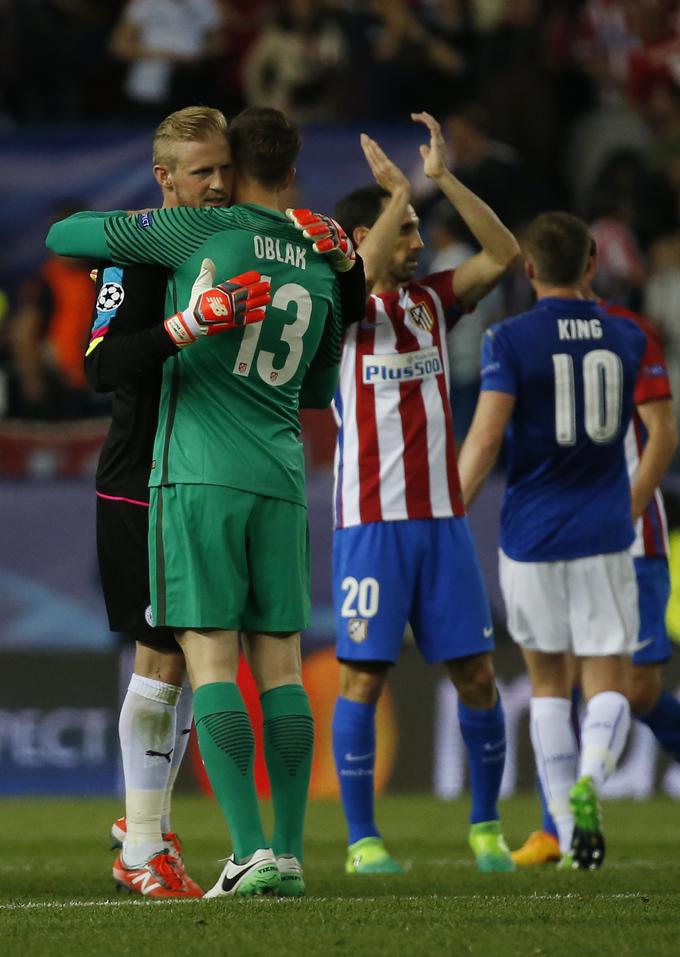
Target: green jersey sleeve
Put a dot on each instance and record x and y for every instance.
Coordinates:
(81, 234)
(161, 237)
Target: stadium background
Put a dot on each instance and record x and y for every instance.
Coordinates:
(569, 104)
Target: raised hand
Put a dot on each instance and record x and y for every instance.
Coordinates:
(386, 173)
(434, 155)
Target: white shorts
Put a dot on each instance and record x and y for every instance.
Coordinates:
(588, 606)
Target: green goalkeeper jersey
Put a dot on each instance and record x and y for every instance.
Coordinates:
(229, 404)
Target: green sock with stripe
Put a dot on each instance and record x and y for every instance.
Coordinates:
(288, 751)
(227, 744)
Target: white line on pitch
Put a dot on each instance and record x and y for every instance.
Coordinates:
(63, 905)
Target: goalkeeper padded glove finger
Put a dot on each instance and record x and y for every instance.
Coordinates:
(329, 238)
(229, 305)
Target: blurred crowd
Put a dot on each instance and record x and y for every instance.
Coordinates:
(545, 104)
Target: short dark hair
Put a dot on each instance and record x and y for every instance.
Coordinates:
(264, 145)
(360, 208)
(559, 245)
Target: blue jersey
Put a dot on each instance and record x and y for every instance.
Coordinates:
(572, 369)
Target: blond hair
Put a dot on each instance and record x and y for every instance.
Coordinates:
(190, 124)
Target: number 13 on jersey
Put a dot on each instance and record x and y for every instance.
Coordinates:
(291, 335)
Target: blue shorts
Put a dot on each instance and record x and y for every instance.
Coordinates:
(423, 571)
(654, 588)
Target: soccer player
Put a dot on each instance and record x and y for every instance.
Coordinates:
(402, 549)
(561, 377)
(228, 526)
(651, 440)
(128, 346)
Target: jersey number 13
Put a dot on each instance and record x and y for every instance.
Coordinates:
(291, 334)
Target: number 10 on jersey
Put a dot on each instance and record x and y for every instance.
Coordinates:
(602, 374)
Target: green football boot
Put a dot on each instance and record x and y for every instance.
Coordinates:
(587, 843)
(489, 847)
(292, 881)
(370, 856)
(566, 862)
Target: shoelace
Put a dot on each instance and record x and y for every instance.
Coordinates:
(165, 867)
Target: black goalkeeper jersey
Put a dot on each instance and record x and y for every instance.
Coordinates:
(125, 356)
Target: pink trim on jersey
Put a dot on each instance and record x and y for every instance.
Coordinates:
(396, 456)
(121, 498)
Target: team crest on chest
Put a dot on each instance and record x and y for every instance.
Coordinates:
(421, 316)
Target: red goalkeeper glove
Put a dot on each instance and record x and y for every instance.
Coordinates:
(330, 239)
(214, 309)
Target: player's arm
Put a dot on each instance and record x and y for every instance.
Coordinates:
(330, 241)
(493, 413)
(321, 379)
(654, 405)
(473, 279)
(662, 441)
(319, 385)
(162, 237)
(84, 231)
(352, 287)
(119, 350)
(122, 346)
(483, 441)
(379, 243)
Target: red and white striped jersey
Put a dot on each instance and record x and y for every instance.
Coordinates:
(651, 530)
(395, 456)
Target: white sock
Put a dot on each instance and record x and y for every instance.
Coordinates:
(185, 715)
(556, 753)
(603, 735)
(147, 738)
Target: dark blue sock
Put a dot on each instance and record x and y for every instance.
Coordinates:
(664, 723)
(354, 753)
(547, 823)
(484, 736)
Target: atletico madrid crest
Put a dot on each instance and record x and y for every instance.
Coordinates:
(357, 630)
(421, 316)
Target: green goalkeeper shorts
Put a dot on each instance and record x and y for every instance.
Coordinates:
(225, 558)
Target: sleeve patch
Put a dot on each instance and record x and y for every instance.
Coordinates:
(110, 297)
(144, 220)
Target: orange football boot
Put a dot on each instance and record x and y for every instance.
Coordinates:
(539, 848)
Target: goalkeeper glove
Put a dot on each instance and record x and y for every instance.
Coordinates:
(330, 239)
(213, 309)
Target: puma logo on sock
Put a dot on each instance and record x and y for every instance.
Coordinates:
(160, 754)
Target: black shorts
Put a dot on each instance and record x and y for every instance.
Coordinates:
(122, 550)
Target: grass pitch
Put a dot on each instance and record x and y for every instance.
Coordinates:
(57, 896)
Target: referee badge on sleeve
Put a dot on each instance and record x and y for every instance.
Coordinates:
(357, 630)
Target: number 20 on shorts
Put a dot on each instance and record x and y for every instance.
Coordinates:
(361, 599)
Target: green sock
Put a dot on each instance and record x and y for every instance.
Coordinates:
(288, 750)
(227, 744)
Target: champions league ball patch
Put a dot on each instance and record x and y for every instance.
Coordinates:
(357, 630)
(110, 297)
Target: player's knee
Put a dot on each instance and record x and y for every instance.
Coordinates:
(160, 665)
(474, 680)
(363, 684)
